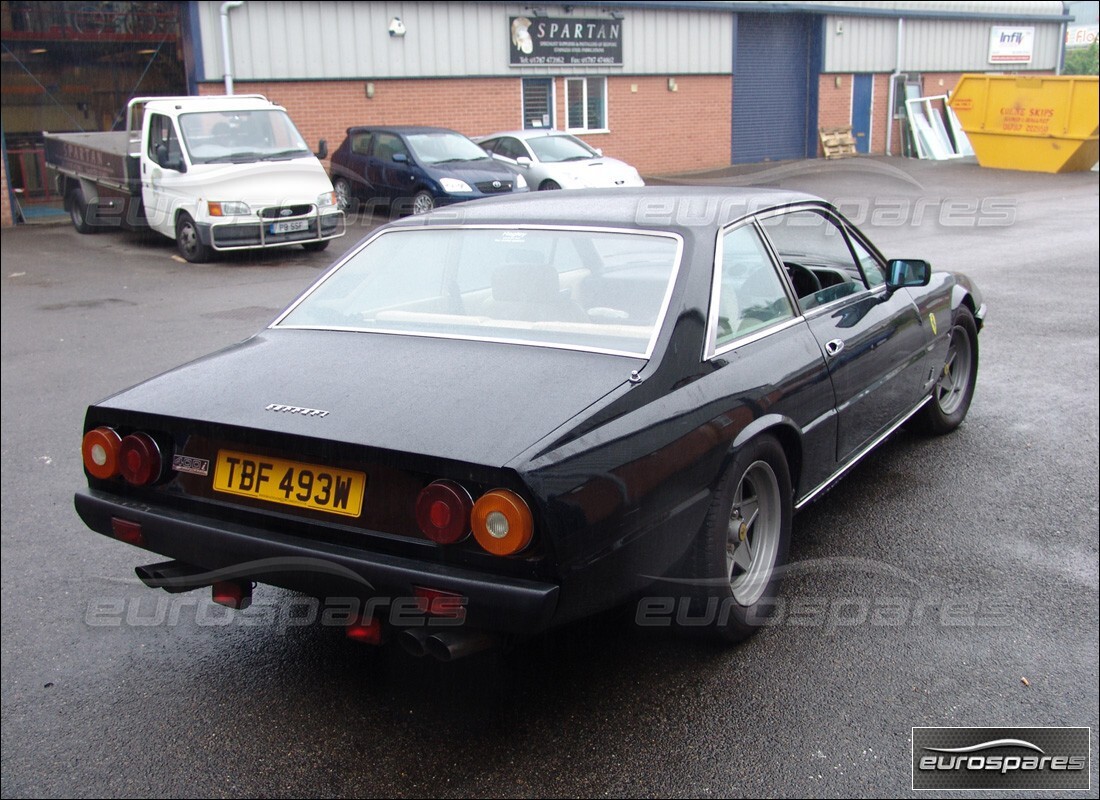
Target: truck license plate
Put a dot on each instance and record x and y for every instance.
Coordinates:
(290, 226)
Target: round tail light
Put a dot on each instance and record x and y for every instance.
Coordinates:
(139, 459)
(100, 450)
(443, 512)
(502, 522)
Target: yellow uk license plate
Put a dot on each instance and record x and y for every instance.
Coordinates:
(292, 483)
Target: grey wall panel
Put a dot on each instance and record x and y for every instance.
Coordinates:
(869, 44)
(303, 39)
(863, 44)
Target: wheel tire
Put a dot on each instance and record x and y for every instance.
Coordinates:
(738, 554)
(343, 193)
(548, 186)
(78, 211)
(954, 390)
(422, 202)
(188, 243)
(315, 247)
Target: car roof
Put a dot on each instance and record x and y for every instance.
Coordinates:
(531, 133)
(399, 129)
(682, 208)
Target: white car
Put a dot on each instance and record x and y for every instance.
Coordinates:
(551, 159)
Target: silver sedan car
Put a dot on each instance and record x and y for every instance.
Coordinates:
(551, 159)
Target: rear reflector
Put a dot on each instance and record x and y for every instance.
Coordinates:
(367, 630)
(127, 531)
(438, 603)
(232, 594)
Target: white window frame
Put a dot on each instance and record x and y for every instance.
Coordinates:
(584, 103)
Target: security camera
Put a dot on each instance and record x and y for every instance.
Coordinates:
(397, 27)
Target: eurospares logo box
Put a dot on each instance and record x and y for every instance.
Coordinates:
(1001, 758)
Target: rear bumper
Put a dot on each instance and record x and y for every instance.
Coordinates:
(321, 569)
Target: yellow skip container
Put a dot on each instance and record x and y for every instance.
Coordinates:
(1042, 123)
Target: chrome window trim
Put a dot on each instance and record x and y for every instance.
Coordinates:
(658, 325)
(817, 311)
(756, 336)
(710, 343)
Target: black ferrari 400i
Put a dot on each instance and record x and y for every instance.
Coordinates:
(511, 415)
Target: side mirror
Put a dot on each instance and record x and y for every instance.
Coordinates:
(401, 158)
(599, 151)
(163, 160)
(907, 272)
(322, 149)
(523, 161)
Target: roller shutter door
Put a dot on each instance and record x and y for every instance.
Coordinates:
(772, 95)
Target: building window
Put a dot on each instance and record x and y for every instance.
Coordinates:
(538, 102)
(586, 103)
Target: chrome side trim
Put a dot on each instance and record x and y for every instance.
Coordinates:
(836, 476)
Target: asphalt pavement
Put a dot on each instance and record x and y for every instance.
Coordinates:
(946, 582)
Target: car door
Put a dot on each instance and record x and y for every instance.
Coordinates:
(390, 168)
(355, 165)
(164, 188)
(765, 356)
(874, 341)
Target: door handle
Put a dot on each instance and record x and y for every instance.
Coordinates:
(833, 347)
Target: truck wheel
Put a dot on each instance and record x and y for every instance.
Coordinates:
(188, 242)
(78, 211)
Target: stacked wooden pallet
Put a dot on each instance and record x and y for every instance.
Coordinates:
(838, 142)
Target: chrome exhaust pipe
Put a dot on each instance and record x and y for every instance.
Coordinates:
(414, 641)
(452, 645)
(173, 576)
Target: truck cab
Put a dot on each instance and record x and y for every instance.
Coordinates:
(214, 173)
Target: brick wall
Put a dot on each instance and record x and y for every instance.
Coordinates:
(933, 83)
(656, 130)
(664, 132)
(834, 103)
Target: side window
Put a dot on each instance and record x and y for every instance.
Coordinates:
(360, 143)
(750, 293)
(510, 147)
(815, 254)
(386, 146)
(163, 132)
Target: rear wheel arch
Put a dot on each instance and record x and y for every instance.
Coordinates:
(784, 430)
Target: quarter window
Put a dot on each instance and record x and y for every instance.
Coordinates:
(586, 103)
(750, 293)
